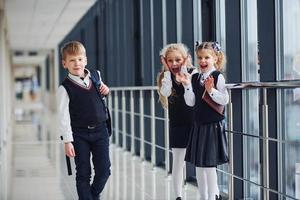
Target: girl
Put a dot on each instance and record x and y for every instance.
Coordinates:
(176, 58)
(207, 146)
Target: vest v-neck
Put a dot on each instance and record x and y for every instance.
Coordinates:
(80, 85)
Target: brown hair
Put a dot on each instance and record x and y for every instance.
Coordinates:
(164, 52)
(216, 49)
(72, 48)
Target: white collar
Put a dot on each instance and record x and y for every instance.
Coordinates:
(204, 75)
(77, 79)
(207, 73)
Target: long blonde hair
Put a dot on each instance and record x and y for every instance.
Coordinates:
(181, 48)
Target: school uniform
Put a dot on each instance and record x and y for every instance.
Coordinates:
(207, 145)
(82, 121)
(180, 122)
(180, 114)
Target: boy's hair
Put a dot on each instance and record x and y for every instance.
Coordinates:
(72, 48)
(216, 49)
(183, 49)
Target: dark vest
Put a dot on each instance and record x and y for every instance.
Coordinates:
(180, 114)
(204, 114)
(85, 106)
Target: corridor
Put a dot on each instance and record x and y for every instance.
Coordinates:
(39, 169)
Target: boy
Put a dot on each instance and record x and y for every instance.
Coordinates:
(82, 122)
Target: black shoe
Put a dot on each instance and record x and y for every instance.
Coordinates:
(218, 197)
(178, 198)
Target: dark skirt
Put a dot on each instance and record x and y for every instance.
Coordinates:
(207, 145)
(179, 136)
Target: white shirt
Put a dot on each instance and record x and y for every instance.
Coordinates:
(64, 119)
(218, 94)
(166, 83)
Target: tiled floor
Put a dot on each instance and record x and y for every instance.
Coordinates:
(39, 170)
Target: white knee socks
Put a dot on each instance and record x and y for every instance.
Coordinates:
(207, 182)
(177, 170)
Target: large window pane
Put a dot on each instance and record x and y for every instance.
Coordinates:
(250, 68)
(290, 99)
(252, 167)
(220, 37)
(291, 42)
(291, 147)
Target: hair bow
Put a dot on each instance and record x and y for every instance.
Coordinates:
(197, 44)
(216, 46)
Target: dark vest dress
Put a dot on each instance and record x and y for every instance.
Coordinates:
(85, 106)
(207, 145)
(180, 116)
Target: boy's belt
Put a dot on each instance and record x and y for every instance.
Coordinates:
(93, 126)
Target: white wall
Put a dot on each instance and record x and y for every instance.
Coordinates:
(5, 106)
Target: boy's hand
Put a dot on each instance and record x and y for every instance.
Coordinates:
(104, 90)
(209, 84)
(69, 149)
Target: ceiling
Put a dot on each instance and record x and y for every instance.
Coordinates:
(38, 25)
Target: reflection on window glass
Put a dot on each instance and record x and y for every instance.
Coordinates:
(291, 16)
(290, 150)
(220, 36)
(290, 105)
(252, 167)
(250, 70)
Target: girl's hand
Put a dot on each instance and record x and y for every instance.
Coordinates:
(209, 84)
(183, 78)
(104, 90)
(185, 62)
(163, 61)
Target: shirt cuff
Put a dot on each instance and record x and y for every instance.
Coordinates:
(68, 138)
(167, 74)
(212, 93)
(188, 87)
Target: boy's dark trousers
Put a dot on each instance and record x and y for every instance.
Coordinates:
(95, 141)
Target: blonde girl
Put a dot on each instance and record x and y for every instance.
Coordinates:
(175, 59)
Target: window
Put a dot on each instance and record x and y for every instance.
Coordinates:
(250, 68)
(289, 103)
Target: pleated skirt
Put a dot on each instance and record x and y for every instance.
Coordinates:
(207, 145)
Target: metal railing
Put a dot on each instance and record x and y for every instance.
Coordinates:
(119, 93)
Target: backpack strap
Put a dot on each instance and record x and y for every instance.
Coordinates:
(95, 77)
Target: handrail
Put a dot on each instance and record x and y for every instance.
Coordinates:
(250, 85)
(277, 84)
(119, 92)
(132, 88)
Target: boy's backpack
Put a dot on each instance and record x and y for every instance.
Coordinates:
(97, 82)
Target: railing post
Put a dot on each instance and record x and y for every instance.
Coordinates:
(110, 109)
(142, 137)
(117, 118)
(230, 148)
(265, 125)
(132, 128)
(153, 138)
(124, 143)
(167, 154)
